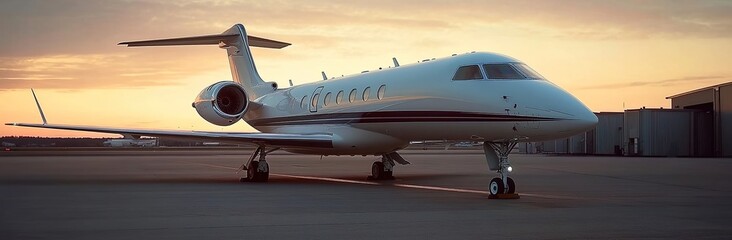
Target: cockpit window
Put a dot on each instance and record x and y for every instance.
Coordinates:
(527, 71)
(468, 73)
(501, 71)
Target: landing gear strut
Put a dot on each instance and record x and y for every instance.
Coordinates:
(257, 170)
(496, 154)
(384, 169)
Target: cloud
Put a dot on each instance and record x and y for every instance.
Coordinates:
(72, 43)
(37, 27)
(657, 83)
(96, 71)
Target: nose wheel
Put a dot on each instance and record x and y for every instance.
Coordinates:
(498, 187)
(496, 153)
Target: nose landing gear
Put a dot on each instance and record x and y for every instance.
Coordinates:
(496, 154)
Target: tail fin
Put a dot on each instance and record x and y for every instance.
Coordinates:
(236, 42)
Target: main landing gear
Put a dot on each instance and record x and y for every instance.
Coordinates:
(257, 170)
(384, 169)
(496, 153)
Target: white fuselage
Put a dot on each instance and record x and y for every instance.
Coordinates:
(421, 102)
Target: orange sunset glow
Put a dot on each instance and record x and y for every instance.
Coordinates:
(612, 55)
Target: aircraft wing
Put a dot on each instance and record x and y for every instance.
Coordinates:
(269, 139)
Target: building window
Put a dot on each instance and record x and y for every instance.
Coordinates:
(468, 73)
(352, 96)
(380, 93)
(366, 93)
(327, 98)
(339, 97)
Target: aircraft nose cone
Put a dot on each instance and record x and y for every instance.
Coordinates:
(586, 121)
(577, 116)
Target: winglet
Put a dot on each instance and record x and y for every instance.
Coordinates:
(43, 116)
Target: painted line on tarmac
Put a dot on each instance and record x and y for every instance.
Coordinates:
(216, 166)
(412, 186)
(326, 179)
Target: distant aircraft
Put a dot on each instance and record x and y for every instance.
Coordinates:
(484, 97)
(129, 141)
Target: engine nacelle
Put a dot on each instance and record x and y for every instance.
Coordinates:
(222, 103)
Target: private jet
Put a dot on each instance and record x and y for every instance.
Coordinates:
(475, 97)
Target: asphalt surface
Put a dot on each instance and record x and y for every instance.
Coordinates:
(441, 195)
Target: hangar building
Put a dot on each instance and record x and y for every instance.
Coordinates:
(716, 102)
(699, 124)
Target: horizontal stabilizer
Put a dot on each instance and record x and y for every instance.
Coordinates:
(207, 40)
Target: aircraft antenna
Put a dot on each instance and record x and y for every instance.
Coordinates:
(396, 63)
(324, 76)
(290, 82)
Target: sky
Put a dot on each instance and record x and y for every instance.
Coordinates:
(612, 55)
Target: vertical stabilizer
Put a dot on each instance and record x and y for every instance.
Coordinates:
(236, 42)
(241, 62)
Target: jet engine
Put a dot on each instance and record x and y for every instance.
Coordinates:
(222, 103)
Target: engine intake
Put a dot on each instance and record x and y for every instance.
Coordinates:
(223, 103)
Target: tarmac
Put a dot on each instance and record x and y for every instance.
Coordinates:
(196, 194)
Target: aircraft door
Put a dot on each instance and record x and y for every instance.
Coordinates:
(315, 99)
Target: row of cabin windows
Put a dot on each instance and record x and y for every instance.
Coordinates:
(339, 97)
(497, 71)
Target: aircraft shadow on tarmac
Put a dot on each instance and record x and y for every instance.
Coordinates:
(274, 180)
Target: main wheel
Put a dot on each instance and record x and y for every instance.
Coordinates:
(496, 186)
(389, 175)
(252, 174)
(264, 176)
(377, 170)
(511, 186)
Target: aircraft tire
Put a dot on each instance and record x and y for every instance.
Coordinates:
(264, 176)
(496, 187)
(252, 174)
(388, 174)
(377, 171)
(511, 186)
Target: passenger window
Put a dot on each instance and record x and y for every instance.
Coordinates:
(302, 102)
(366, 93)
(501, 71)
(339, 97)
(327, 98)
(468, 73)
(380, 93)
(352, 96)
(314, 102)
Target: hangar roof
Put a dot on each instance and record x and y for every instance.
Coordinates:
(699, 90)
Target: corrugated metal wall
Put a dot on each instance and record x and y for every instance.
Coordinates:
(577, 144)
(658, 132)
(725, 112)
(608, 133)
